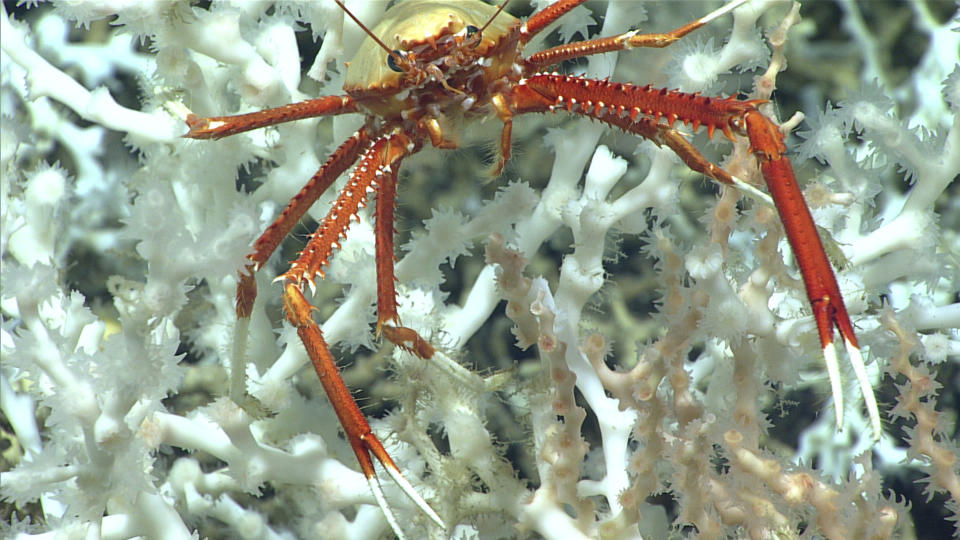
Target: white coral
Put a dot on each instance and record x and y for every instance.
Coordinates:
(609, 267)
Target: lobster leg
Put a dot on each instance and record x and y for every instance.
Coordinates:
(388, 320)
(543, 18)
(217, 127)
(639, 109)
(361, 437)
(267, 243)
(377, 173)
(376, 170)
(628, 40)
(766, 143)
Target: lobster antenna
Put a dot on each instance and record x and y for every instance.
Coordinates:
(503, 5)
(397, 57)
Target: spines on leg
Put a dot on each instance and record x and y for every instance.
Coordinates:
(380, 156)
(606, 100)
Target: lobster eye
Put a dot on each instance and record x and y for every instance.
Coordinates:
(392, 61)
(472, 31)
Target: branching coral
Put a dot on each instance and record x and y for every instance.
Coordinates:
(655, 367)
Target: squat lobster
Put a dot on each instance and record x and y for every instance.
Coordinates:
(431, 65)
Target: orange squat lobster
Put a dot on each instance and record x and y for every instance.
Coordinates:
(430, 65)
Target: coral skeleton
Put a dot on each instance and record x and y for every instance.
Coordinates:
(624, 349)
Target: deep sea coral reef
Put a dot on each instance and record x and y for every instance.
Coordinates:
(625, 348)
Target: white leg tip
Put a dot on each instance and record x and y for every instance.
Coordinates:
(836, 384)
(384, 506)
(860, 370)
(409, 490)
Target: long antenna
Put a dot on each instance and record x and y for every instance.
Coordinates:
(397, 57)
(503, 5)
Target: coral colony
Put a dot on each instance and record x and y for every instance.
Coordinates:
(624, 349)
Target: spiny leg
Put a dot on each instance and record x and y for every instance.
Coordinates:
(635, 109)
(376, 173)
(388, 320)
(766, 143)
(344, 156)
(632, 108)
(267, 243)
(382, 153)
(627, 40)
